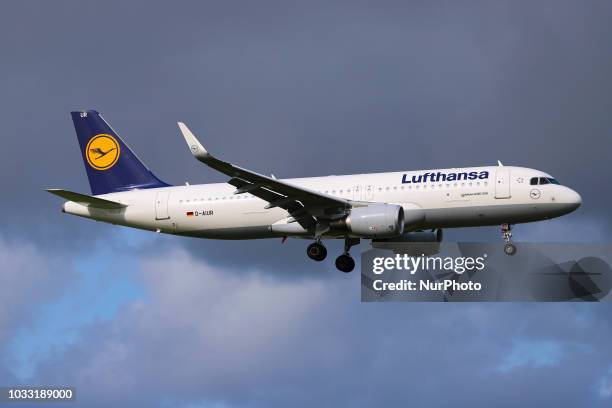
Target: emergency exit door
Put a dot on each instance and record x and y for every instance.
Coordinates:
(161, 205)
(357, 193)
(363, 193)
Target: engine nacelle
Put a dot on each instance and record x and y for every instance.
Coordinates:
(373, 221)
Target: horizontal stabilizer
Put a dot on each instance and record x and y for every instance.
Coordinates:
(85, 199)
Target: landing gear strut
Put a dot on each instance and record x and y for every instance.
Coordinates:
(316, 251)
(345, 262)
(509, 247)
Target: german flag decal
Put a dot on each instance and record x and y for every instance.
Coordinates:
(190, 213)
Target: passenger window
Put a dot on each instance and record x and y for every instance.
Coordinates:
(534, 181)
(544, 180)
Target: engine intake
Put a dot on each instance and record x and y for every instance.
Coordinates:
(373, 221)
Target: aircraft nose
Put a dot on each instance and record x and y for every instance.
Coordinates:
(572, 199)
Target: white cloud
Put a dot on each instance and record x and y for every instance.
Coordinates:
(27, 279)
(604, 387)
(207, 334)
(532, 354)
(212, 328)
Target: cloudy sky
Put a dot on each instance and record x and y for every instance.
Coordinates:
(296, 89)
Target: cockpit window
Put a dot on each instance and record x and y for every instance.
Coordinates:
(534, 181)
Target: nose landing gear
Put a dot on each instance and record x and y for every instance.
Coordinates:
(509, 247)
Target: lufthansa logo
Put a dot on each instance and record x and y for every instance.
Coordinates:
(535, 194)
(102, 151)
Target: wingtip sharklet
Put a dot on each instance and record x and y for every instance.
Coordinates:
(194, 144)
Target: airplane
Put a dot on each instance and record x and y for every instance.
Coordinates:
(404, 206)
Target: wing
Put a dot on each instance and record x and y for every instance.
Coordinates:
(305, 206)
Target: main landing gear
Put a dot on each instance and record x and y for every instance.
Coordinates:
(316, 251)
(345, 263)
(509, 247)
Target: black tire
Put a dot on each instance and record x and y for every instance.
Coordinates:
(510, 249)
(316, 252)
(345, 263)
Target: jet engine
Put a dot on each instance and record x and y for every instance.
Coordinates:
(373, 221)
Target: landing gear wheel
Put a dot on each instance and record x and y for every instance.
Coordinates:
(316, 251)
(345, 263)
(510, 249)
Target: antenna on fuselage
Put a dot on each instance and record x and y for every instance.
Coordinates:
(500, 164)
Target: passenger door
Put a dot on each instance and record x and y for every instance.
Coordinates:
(502, 183)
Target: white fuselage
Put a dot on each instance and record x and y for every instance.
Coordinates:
(505, 195)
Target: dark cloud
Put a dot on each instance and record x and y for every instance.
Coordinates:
(308, 89)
